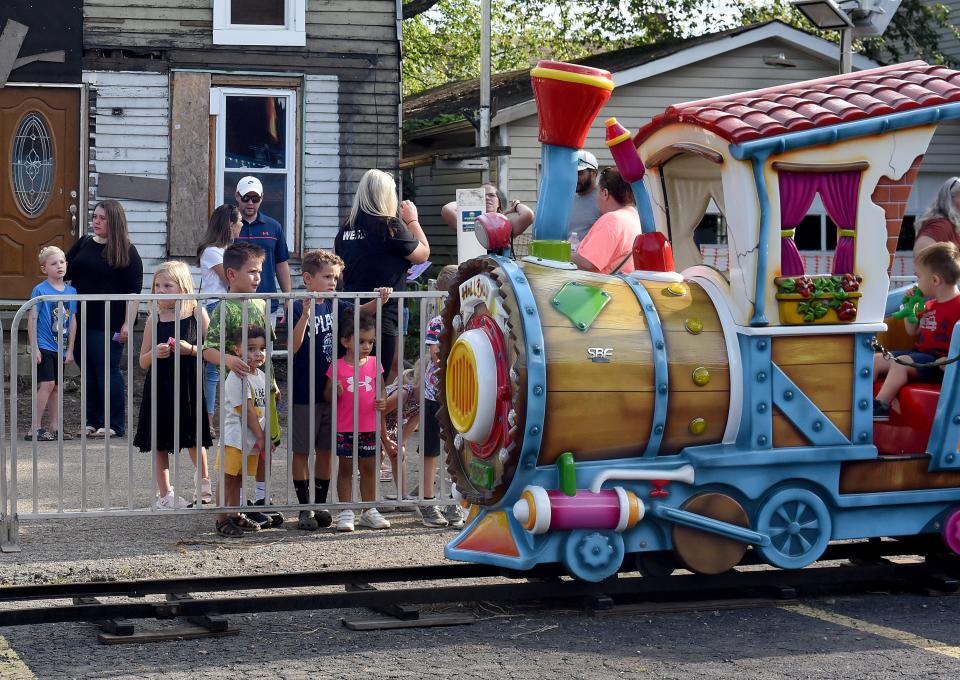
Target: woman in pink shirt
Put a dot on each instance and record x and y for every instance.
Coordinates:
(608, 246)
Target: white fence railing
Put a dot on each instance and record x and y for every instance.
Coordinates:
(88, 477)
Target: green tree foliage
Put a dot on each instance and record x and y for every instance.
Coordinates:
(442, 44)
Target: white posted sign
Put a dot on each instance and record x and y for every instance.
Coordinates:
(469, 207)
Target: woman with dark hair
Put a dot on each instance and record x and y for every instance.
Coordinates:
(377, 248)
(224, 226)
(105, 263)
(608, 246)
(941, 221)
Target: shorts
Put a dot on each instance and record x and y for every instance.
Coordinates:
(367, 447)
(234, 461)
(431, 429)
(47, 368)
(930, 375)
(301, 427)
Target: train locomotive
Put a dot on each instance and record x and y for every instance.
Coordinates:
(662, 417)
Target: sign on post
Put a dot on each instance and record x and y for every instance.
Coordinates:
(469, 207)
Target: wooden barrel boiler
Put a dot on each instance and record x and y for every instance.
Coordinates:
(630, 367)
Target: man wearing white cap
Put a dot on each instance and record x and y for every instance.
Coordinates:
(584, 211)
(266, 232)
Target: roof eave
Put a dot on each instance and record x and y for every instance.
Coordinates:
(767, 146)
(684, 57)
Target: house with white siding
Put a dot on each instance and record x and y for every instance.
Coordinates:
(648, 79)
(165, 104)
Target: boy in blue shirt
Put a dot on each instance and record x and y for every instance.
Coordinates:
(46, 324)
(321, 271)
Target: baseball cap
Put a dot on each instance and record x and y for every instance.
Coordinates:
(586, 160)
(248, 184)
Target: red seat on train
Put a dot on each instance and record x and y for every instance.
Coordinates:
(911, 418)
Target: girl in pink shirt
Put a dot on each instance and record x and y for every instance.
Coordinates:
(357, 383)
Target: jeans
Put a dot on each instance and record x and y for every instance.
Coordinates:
(95, 384)
(211, 374)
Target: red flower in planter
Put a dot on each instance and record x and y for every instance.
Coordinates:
(850, 283)
(804, 286)
(847, 311)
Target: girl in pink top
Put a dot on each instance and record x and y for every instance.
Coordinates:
(608, 246)
(357, 383)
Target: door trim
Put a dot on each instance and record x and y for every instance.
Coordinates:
(83, 126)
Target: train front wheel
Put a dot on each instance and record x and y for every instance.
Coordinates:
(799, 525)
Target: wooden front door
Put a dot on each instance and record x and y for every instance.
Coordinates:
(39, 180)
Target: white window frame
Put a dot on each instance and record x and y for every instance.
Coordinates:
(218, 108)
(292, 34)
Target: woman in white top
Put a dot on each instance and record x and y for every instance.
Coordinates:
(223, 228)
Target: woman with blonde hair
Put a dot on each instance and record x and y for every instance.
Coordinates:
(941, 221)
(378, 247)
(104, 263)
(174, 412)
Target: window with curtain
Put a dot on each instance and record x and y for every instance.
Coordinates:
(839, 192)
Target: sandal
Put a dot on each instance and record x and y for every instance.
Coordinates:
(66, 436)
(245, 523)
(227, 527)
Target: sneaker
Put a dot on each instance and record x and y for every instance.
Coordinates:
(307, 521)
(372, 519)
(454, 516)
(430, 516)
(323, 518)
(101, 433)
(881, 410)
(276, 518)
(206, 492)
(170, 502)
(259, 518)
(345, 520)
(41, 435)
(89, 430)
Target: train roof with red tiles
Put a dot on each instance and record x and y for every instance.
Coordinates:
(776, 111)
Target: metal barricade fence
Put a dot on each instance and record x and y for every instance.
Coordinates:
(86, 478)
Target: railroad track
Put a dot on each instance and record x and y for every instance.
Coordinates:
(444, 584)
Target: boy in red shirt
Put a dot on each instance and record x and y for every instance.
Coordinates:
(938, 269)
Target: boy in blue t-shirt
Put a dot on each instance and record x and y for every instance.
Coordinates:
(321, 272)
(50, 334)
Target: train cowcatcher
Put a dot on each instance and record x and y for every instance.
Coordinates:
(679, 412)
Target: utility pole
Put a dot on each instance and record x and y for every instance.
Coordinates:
(485, 86)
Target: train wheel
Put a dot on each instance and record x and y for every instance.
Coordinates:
(655, 564)
(798, 524)
(593, 555)
(951, 531)
(702, 551)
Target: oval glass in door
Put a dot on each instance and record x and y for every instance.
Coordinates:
(32, 164)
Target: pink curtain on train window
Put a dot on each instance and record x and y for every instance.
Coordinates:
(797, 190)
(839, 191)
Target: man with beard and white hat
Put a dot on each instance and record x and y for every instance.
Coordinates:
(266, 232)
(584, 211)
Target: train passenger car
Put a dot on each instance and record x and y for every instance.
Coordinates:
(601, 421)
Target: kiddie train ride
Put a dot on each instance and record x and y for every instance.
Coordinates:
(659, 418)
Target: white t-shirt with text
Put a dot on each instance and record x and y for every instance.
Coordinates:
(234, 402)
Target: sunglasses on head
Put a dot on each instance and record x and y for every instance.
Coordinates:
(250, 198)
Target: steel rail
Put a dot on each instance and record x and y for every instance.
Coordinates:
(863, 550)
(690, 588)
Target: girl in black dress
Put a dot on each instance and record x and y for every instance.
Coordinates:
(172, 278)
